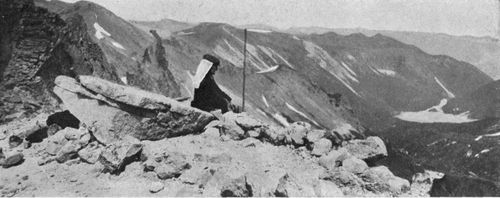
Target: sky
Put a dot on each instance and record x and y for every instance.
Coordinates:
(455, 17)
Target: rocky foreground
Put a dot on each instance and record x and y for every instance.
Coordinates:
(116, 140)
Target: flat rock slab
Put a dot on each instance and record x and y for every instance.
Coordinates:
(114, 110)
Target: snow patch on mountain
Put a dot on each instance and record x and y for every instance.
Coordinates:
(296, 38)
(259, 30)
(118, 45)
(435, 114)
(448, 92)
(271, 69)
(387, 72)
(300, 113)
(100, 32)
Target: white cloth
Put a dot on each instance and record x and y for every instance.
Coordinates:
(202, 70)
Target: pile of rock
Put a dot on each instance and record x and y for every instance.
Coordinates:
(343, 157)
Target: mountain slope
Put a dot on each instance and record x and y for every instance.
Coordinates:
(482, 52)
(164, 27)
(377, 76)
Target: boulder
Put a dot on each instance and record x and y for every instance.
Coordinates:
(369, 148)
(231, 130)
(327, 189)
(315, 135)
(68, 151)
(156, 187)
(289, 187)
(114, 110)
(382, 180)
(354, 165)
(117, 155)
(238, 187)
(55, 143)
(297, 132)
(343, 178)
(334, 158)
(90, 154)
(321, 147)
(342, 132)
(245, 121)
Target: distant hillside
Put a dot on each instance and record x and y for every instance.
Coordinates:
(483, 52)
(164, 27)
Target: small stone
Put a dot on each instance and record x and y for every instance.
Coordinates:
(254, 133)
(238, 187)
(15, 141)
(26, 177)
(12, 159)
(90, 154)
(156, 187)
(53, 129)
(45, 160)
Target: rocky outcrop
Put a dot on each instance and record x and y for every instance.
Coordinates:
(114, 110)
(35, 47)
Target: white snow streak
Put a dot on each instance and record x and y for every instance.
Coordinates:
(487, 135)
(100, 32)
(448, 92)
(118, 45)
(387, 72)
(300, 113)
(435, 114)
(271, 69)
(265, 101)
(296, 38)
(281, 119)
(185, 33)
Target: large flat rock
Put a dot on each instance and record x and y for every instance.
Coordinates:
(114, 110)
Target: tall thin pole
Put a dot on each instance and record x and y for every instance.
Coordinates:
(244, 69)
